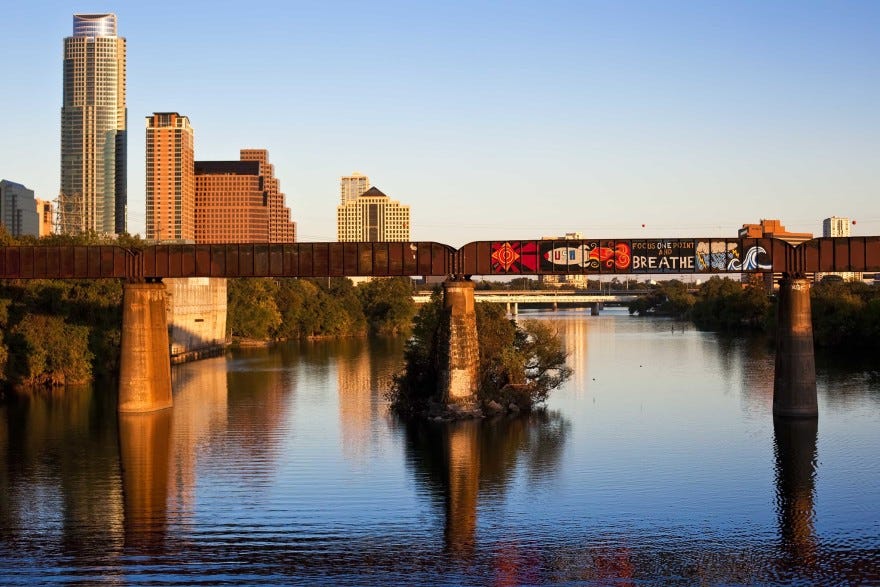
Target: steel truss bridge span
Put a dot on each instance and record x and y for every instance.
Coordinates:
(512, 258)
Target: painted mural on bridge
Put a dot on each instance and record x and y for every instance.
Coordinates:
(589, 255)
(514, 257)
(647, 256)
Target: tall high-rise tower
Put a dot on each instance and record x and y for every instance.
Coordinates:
(836, 226)
(171, 189)
(351, 186)
(93, 195)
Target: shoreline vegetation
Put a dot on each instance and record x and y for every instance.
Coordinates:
(845, 315)
(520, 363)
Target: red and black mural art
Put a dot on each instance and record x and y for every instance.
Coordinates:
(515, 257)
(573, 257)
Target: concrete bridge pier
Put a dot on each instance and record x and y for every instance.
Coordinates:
(459, 354)
(145, 362)
(794, 385)
(594, 309)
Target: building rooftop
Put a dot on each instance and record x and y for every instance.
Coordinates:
(227, 167)
(372, 193)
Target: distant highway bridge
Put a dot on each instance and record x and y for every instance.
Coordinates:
(547, 297)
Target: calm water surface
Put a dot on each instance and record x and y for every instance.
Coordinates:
(658, 463)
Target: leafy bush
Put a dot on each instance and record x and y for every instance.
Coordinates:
(51, 352)
(518, 364)
(724, 304)
(670, 298)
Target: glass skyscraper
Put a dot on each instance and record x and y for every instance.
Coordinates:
(93, 195)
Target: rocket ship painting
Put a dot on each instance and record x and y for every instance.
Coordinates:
(590, 256)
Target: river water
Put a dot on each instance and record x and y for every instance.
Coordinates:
(658, 463)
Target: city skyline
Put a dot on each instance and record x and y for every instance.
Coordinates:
(688, 119)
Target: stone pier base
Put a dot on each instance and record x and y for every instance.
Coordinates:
(794, 385)
(145, 362)
(459, 347)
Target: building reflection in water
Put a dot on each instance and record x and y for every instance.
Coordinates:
(575, 332)
(795, 448)
(365, 370)
(463, 462)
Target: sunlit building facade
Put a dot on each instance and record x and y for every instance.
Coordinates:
(46, 220)
(170, 180)
(281, 228)
(372, 216)
(839, 226)
(352, 186)
(93, 194)
(239, 202)
(18, 209)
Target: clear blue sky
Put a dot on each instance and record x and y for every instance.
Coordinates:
(494, 119)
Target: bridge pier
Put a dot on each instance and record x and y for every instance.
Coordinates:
(459, 346)
(594, 309)
(794, 385)
(145, 362)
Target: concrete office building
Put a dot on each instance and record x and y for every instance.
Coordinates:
(170, 181)
(93, 194)
(46, 213)
(238, 202)
(372, 216)
(281, 228)
(352, 186)
(839, 226)
(18, 209)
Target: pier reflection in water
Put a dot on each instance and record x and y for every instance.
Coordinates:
(795, 487)
(461, 461)
(282, 466)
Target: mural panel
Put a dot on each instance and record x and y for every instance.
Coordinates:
(573, 257)
(663, 256)
(514, 257)
(755, 258)
(716, 255)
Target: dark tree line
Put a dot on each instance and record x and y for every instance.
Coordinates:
(280, 309)
(845, 315)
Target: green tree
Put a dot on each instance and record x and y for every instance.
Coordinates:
(724, 304)
(252, 310)
(50, 352)
(387, 304)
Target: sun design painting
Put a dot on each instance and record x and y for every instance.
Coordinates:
(515, 257)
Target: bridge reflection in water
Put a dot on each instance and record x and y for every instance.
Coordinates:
(468, 467)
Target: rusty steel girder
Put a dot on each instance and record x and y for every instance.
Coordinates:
(386, 259)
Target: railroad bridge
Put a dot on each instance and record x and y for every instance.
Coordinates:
(145, 372)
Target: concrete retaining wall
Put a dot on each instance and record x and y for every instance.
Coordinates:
(196, 309)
